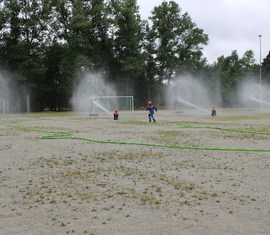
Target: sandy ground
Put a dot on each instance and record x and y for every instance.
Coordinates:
(73, 186)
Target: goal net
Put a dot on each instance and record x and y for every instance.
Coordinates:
(114, 102)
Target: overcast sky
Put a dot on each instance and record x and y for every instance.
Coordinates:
(230, 24)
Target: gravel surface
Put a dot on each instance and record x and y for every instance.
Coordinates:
(76, 186)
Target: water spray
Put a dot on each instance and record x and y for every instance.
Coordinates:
(3, 106)
(258, 100)
(101, 107)
(192, 105)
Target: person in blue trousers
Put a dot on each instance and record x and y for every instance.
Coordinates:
(116, 114)
(151, 111)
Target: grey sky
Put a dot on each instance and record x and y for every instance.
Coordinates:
(230, 24)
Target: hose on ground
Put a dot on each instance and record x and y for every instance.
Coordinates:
(68, 135)
(184, 125)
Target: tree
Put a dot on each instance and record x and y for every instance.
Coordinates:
(248, 66)
(24, 34)
(176, 41)
(232, 70)
(49, 44)
(149, 67)
(127, 47)
(266, 69)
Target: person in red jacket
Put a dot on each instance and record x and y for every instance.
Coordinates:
(214, 111)
(116, 114)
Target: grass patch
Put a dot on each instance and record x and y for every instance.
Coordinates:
(171, 137)
(242, 117)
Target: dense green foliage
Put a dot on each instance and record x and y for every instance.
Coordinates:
(46, 46)
(266, 69)
(232, 70)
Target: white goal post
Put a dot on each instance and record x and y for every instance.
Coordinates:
(119, 102)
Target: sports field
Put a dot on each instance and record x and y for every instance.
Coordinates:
(188, 173)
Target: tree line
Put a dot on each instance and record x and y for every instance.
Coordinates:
(47, 46)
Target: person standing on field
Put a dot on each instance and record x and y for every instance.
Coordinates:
(116, 114)
(151, 111)
(214, 111)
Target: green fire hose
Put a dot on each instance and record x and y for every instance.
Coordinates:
(68, 135)
(184, 125)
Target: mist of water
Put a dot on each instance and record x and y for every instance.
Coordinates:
(90, 87)
(192, 105)
(190, 92)
(101, 107)
(253, 94)
(4, 95)
(13, 98)
(259, 101)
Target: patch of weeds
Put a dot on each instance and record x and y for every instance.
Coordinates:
(148, 199)
(123, 193)
(134, 122)
(169, 137)
(75, 174)
(102, 185)
(50, 162)
(68, 162)
(174, 133)
(53, 201)
(84, 196)
(6, 147)
(129, 172)
(178, 184)
(242, 117)
(158, 189)
(127, 193)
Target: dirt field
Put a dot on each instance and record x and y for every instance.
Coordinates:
(66, 185)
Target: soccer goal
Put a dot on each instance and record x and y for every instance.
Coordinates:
(113, 102)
